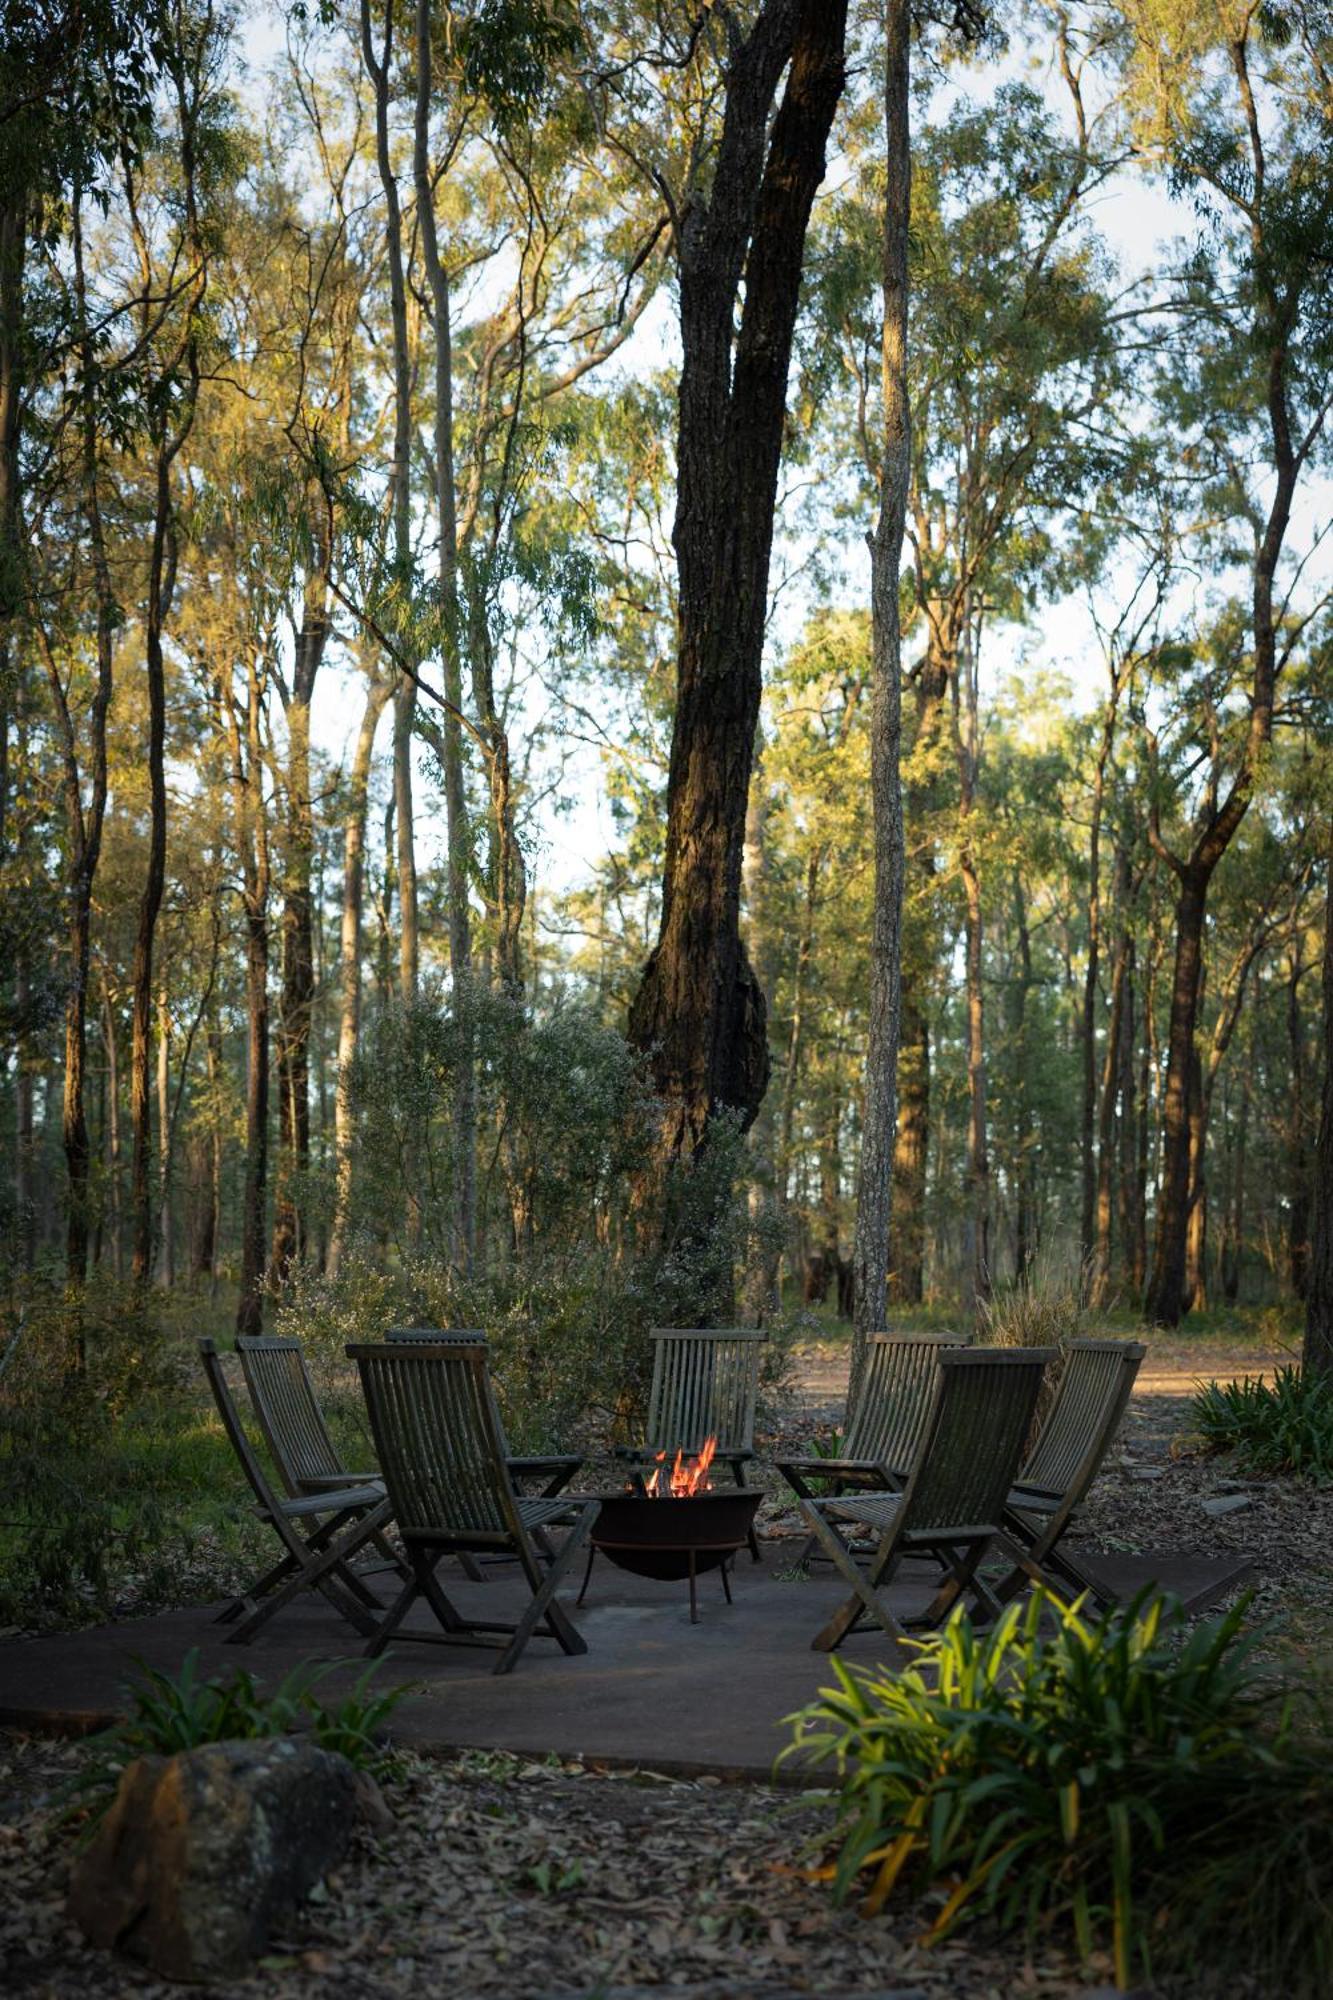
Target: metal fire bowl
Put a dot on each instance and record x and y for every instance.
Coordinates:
(658, 1537)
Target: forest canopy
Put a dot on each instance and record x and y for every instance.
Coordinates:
(440, 693)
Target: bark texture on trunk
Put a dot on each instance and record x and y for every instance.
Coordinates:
(349, 972)
(699, 1010)
(1318, 1350)
(298, 943)
(872, 1244)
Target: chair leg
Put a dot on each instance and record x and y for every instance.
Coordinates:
(864, 1585)
(393, 1618)
(592, 1557)
(738, 1466)
(543, 1601)
(316, 1571)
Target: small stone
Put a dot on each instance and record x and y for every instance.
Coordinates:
(1142, 1472)
(201, 1854)
(1225, 1503)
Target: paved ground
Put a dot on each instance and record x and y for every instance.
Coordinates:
(652, 1689)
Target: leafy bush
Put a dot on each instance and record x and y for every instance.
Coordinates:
(103, 1456)
(1104, 1773)
(174, 1713)
(1285, 1425)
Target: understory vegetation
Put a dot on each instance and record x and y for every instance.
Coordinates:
(1282, 1425)
(1144, 1786)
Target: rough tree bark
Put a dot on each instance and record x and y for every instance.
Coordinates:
(298, 946)
(1318, 1350)
(699, 1011)
(349, 965)
(871, 1248)
(252, 840)
(451, 734)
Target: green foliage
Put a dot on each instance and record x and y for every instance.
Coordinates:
(1061, 1769)
(1285, 1425)
(99, 1445)
(172, 1713)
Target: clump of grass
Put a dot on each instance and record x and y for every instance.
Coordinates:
(1109, 1775)
(1282, 1426)
(1045, 1307)
(172, 1713)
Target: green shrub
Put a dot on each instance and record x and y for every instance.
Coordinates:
(105, 1461)
(171, 1713)
(1102, 1773)
(1285, 1425)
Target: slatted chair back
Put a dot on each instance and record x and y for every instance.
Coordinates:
(288, 1411)
(705, 1384)
(896, 1398)
(438, 1437)
(237, 1437)
(970, 1451)
(455, 1336)
(1095, 1387)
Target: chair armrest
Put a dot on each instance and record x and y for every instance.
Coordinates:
(321, 1482)
(538, 1463)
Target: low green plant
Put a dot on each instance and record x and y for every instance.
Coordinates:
(1285, 1425)
(1095, 1772)
(171, 1713)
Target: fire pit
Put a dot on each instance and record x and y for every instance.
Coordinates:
(672, 1525)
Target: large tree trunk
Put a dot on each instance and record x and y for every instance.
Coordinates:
(699, 1010)
(349, 974)
(1318, 1351)
(763, 1287)
(872, 1251)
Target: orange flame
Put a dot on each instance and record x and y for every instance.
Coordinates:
(683, 1479)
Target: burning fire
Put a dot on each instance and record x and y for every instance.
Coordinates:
(685, 1478)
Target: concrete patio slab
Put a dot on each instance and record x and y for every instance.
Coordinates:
(651, 1690)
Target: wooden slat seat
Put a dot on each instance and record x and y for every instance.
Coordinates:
(342, 1521)
(952, 1503)
(441, 1453)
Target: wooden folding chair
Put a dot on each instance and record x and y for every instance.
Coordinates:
(885, 1428)
(1054, 1480)
(554, 1469)
(441, 1450)
(319, 1532)
(705, 1384)
(952, 1505)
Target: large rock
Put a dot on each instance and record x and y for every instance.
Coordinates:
(201, 1853)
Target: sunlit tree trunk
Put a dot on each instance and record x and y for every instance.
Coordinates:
(872, 1251)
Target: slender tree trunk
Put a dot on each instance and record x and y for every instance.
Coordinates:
(805, 949)
(1113, 1070)
(166, 1255)
(699, 1010)
(978, 1152)
(872, 1250)
(349, 975)
(1127, 1133)
(251, 831)
(1025, 1193)
(1298, 1154)
(1196, 1233)
(1233, 1241)
(451, 734)
(1318, 1350)
(1166, 1290)
(911, 1153)
(298, 942)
